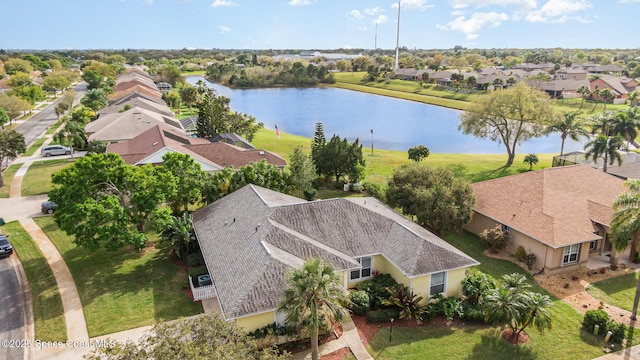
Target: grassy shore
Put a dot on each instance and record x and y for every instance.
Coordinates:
(436, 95)
(380, 165)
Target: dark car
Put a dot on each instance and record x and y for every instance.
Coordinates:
(48, 207)
(5, 246)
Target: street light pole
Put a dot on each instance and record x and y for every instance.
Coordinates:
(371, 141)
(391, 331)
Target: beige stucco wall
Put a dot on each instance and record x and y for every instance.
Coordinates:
(253, 322)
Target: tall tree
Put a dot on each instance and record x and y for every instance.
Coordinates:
(435, 197)
(625, 227)
(317, 146)
(4, 118)
(314, 295)
(570, 126)
(178, 231)
(510, 117)
(95, 99)
(605, 147)
(73, 134)
(626, 124)
(102, 201)
(302, 170)
(584, 91)
(189, 179)
(11, 145)
(633, 98)
(606, 95)
(596, 94)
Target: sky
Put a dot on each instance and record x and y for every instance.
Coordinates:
(318, 24)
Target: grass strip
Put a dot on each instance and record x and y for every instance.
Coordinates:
(34, 147)
(45, 295)
(7, 177)
(37, 180)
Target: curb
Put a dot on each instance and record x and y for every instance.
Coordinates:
(27, 305)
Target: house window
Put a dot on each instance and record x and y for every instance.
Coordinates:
(506, 228)
(365, 271)
(571, 254)
(593, 245)
(438, 281)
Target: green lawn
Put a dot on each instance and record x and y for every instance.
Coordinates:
(35, 147)
(47, 306)
(618, 291)
(380, 165)
(7, 176)
(483, 342)
(123, 289)
(37, 180)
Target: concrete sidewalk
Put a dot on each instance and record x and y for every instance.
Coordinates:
(350, 338)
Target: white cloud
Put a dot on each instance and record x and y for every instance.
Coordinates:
(218, 3)
(412, 4)
(381, 19)
(355, 14)
(300, 2)
(628, 1)
(363, 28)
(555, 11)
(472, 26)
(224, 29)
(373, 11)
(458, 12)
(458, 4)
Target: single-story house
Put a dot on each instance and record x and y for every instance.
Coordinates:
(560, 214)
(136, 101)
(563, 88)
(252, 237)
(226, 155)
(126, 125)
(137, 88)
(136, 94)
(620, 86)
(628, 169)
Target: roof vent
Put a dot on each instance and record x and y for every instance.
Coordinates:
(155, 143)
(261, 152)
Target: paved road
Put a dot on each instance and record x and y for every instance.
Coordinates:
(11, 311)
(33, 128)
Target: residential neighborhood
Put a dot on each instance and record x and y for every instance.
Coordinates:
(303, 180)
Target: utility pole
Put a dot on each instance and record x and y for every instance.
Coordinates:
(375, 41)
(398, 37)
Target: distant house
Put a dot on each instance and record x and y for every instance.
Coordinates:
(164, 87)
(572, 74)
(620, 87)
(628, 169)
(227, 155)
(135, 94)
(233, 139)
(408, 74)
(140, 102)
(562, 89)
(560, 214)
(136, 88)
(253, 236)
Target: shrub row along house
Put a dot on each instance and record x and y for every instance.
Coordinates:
(140, 127)
(252, 237)
(560, 214)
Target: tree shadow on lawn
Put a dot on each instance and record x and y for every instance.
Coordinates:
(492, 346)
(495, 173)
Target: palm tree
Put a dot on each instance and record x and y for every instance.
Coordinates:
(632, 98)
(531, 159)
(189, 95)
(602, 123)
(606, 95)
(605, 147)
(178, 231)
(625, 227)
(73, 133)
(596, 92)
(314, 295)
(570, 125)
(625, 126)
(584, 91)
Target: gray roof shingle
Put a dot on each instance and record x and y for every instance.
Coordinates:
(251, 237)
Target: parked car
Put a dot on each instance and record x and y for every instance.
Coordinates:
(48, 207)
(5, 246)
(52, 150)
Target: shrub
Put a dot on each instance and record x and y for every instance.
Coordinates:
(378, 191)
(476, 286)
(520, 253)
(197, 271)
(406, 301)
(617, 332)
(450, 306)
(310, 194)
(194, 260)
(376, 288)
(595, 317)
(382, 315)
(359, 302)
(495, 238)
(530, 259)
(472, 312)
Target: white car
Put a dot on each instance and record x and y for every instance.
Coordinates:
(52, 150)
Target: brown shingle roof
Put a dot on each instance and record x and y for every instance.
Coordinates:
(127, 125)
(138, 88)
(555, 206)
(226, 155)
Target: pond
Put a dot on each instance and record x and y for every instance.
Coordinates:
(397, 124)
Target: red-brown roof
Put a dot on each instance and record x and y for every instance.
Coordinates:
(556, 206)
(226, 155)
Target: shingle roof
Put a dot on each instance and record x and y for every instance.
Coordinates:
(137, 88)
(556, 206)
(140, 102)
(135, 94)
(251, 237)
(127, 125)
(230, 155)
